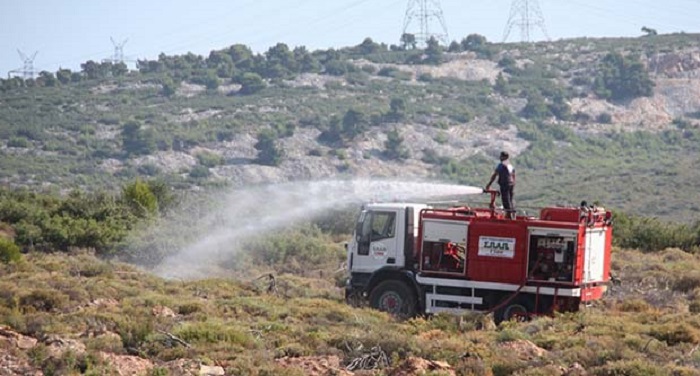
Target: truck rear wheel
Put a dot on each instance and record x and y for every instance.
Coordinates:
(518, 309)
(395, 298)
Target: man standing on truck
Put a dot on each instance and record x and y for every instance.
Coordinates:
(506, 181)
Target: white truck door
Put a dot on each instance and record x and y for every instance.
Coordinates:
(376, 242)
(595, 256)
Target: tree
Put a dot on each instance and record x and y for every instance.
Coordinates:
(222, 63)
(251, 83)
(307, 62)
(139, 197)
(397, 109)
(535, 108)
(368, 46)
(76, 77)
(454, 47)
(269, 153)
(433, 52)
(63, 76)
(90, 69)
(280, 62)
(336, 67)
(501, 85)
(354, 123)
(169, 86)
(408, 40)
(622, 77)
(334, 132)
(47, 79)
(119, 69)
(474, 42)
(477, 43)
(242, 56)
(394, 146)
(136, 140)
(649, 31)
(560, 108)
(211, 81)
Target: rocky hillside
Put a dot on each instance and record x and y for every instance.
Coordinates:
(614, 120)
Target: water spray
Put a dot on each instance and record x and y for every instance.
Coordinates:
(244, 213)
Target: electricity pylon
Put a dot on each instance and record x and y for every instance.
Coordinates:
(526, 15)
(427, 16)
(27, 71)
(118, 56)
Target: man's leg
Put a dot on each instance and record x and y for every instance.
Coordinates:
(507, 200)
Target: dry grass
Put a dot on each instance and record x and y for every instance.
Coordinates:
(647, 326)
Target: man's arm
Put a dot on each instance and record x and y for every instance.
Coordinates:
(493, 177)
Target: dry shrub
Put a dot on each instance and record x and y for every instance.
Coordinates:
(687, 282)
(677, 255)
(694, 306)
(636, 367)
(507, 366)
(674, 334)
(43, 300)
(105, 343)
(634, 305)
(472, 366)
(510, 334)
(548, 370)
(189, 308)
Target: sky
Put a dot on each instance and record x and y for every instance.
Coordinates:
(67, 33)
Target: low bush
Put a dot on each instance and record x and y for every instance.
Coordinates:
(9, 251)
(43, 300)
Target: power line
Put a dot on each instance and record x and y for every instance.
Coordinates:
(526, 15)
(426, 14)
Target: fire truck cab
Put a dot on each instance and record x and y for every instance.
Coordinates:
(408, 258)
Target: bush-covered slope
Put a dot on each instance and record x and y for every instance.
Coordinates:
(95, 317)
(612, 120)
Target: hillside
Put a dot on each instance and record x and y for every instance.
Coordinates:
(236, 118)
(160, 221)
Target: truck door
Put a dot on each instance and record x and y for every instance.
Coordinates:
(595, 256)
(376, 241)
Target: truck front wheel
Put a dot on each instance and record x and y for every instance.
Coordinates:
(395, 298)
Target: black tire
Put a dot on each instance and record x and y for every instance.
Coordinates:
(395, 298)
(518, 309)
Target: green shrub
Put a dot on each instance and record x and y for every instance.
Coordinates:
(209, 159)
(18, 142)
(604, 118)
(622, 77)
(9, 251)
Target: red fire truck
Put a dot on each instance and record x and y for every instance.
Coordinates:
(410, 258)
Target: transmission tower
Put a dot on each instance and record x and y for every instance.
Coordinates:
(118, 56)
(426, 15)
(27, 71)
(526, 15)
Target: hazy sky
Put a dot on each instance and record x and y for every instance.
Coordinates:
(69, 32)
